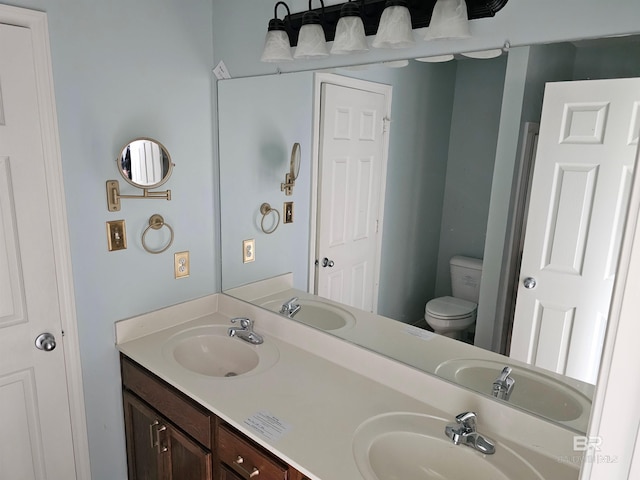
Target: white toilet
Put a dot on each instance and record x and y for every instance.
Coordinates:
(451, 316)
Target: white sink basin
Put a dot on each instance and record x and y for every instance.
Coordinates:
(533, 391)
(315, 313)
(209, 351)
(410, 446)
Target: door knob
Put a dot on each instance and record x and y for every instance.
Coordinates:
(529, 282)
(46, 342)
(327, 263)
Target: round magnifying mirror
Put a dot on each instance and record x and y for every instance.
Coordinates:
(295, 161)
(145, 163)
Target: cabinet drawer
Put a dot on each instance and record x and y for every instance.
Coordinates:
(244, 457)
(183, 412)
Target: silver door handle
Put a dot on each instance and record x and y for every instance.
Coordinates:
(327, 263)
(45, 341)
(529, 283)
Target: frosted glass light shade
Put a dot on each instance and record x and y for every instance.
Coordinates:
(350, 36)
(311, 42)
(448, 20)
(276, 47)
(482, 54)
(394, 30)
(436, 58)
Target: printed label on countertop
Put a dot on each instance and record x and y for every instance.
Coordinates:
(419, 332)
(267, 425)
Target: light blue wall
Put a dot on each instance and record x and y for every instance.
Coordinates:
(472, 151)
(125, 69)
(260, 120)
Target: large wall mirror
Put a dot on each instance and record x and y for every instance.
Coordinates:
(458, 134)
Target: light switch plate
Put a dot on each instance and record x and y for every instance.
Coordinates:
(288, 212)
(116, 235)
(181, 264)
(248, 250)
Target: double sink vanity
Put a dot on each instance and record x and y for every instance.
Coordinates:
(208, 395)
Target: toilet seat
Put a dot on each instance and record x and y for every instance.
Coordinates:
(450, 308)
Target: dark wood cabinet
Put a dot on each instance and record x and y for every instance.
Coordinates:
(157, 449)
(171, 437)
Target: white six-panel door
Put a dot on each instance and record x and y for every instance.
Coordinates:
(36, 440)
(580, 190)
(351, 166)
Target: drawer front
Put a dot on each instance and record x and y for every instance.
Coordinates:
(183, 412)
(245, 458)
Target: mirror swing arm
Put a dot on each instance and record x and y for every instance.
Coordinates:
(294, 169)
(114, 196)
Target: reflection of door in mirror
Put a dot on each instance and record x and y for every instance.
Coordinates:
(352, 162)
(146, 162)
(582, 178)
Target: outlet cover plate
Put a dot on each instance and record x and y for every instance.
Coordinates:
(248, 250)
(181, 264)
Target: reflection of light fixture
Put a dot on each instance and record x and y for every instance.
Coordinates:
(493, 53)
(311, 43)
(277, 47)
(449, 20)
(350, 36)
(396, 63)
(436, 58)
(395, 30)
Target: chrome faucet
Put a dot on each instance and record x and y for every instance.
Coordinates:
(245, 331)
(464, 432)
(503, 385)
(290, 307)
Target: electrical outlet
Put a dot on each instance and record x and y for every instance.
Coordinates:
(181, 264)
(116, 235)
(248, 250)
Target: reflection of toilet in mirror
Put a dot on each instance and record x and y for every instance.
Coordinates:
(455, 315)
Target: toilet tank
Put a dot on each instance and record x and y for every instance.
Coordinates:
(465, 277)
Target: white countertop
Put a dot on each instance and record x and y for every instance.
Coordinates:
(320, 391)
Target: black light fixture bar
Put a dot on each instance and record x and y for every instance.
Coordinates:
(371, 12)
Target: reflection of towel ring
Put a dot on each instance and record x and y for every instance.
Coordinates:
(156, 222)
(265, 209)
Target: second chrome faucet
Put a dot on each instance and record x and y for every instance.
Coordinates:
(463, 432)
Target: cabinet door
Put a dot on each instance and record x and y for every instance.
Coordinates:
(157, 450)
(184, 458)
(143, 460)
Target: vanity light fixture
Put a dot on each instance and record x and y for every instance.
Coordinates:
(371, 12)
(312, 42)
(449, 20)
(395, 29)
(350, 36)
(277, 46)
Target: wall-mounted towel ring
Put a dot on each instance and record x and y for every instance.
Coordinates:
(265, 209)
(156, 222)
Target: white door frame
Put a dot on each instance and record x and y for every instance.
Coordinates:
(37, 23)
(382, 89)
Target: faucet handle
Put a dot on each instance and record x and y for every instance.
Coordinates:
(467, 420)
(245, 323)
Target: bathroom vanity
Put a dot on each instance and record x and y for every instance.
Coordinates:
(305, 405)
